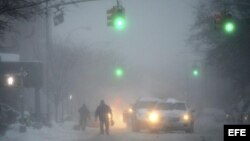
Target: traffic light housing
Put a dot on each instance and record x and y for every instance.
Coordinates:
(110, 15)
(225, 22)
(116, 17)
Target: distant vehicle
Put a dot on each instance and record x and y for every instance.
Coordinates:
(172, 115)
(127, 115)
(141, 109)
(245, 119)
(239, 113)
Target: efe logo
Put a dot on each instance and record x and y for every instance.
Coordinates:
(237, 132)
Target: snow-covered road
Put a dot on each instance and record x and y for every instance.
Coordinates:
(205, 130)
(208, 126)
(123, 135)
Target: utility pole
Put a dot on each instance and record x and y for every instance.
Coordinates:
(46, 59)
(22, 74)
(48, 44)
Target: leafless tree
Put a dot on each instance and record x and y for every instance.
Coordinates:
(12, 10)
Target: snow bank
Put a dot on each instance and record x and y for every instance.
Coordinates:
(59, 132)
(215, 114)
(210, 122)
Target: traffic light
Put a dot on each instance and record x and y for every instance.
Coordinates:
(225, 22)
(59, 17)
(119, 20)
(195, 71)
(229, 26)
(119, 72)
(116, 17)
(110, 15)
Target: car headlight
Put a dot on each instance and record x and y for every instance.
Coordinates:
(109, 116)
(186, 117)
(153, 117)
(246, 118)
(130, 110)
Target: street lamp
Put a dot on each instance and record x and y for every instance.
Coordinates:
(70, 104)
(10, 80)
(17, 80)
(70, 97)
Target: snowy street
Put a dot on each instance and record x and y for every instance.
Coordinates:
(205, 130)
(137, 70)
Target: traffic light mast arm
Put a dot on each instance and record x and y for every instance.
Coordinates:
(118, 3)
(63, 3)
(33, 4)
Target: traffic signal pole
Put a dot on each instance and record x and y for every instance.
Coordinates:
(48, 43)
(224, 20)
(46, 59)
(116, 17)
(118, 3)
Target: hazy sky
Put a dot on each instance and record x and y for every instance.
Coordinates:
(154, 45)
(157, 29)
(154, 40)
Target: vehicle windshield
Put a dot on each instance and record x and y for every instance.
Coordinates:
(179, 106)
(145, 104)
(171, 106)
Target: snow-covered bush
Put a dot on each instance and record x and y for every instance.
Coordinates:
(8, 115)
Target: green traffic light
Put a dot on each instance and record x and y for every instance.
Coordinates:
(229, 27)
(119, 23)
(196, 72)
(119, 72)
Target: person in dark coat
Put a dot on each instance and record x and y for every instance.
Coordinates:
(104, 113)
(84, 116)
